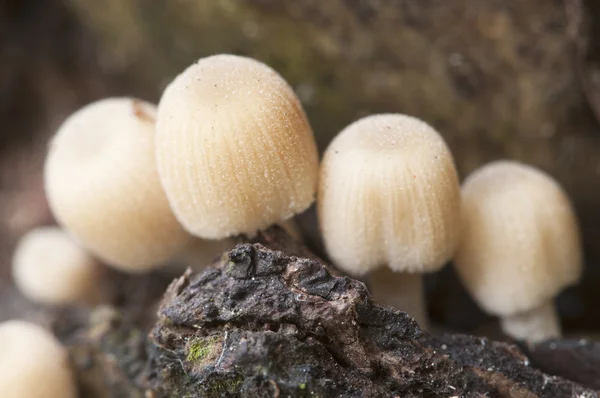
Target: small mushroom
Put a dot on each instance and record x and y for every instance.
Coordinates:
(520, 247)
(389, 198)
(50, 268)
(235, 151)
(33, 363)
(103, 187)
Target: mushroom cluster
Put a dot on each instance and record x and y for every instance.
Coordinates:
(390, 206)
(228, 152)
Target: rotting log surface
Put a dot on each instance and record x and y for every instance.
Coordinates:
(266, 323)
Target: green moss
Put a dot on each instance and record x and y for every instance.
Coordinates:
(230, 266)
(205, 348)
(223, 387)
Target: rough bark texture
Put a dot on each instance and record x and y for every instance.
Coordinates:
(265, 323)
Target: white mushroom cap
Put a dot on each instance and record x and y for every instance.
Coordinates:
(33, 364)
(103, 187)
(49, 267)
(235, 151)
(520, 244)
(389, 195)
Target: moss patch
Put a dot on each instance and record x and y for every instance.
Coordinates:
(204, 350)
(224, 387)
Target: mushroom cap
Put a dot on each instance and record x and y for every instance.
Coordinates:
(520, 244)
(33, 363)
(389, 195)
(103, 187)
(49, 267)
(235, 151)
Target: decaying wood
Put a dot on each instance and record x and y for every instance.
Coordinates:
(262, 322)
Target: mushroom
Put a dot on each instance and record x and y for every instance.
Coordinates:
(389, 198)
(103, 187)
(50, 268)
(33, 363)
(235, 151)
(520, 247)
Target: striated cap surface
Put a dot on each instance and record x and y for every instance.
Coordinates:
(235, 151)
(389, 196)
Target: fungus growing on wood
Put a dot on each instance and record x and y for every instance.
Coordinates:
(520, 247)
(50, 268)
(33, 363)
(235, 151)
(389, 205)
(103, 187)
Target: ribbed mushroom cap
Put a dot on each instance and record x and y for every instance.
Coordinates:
(389, 195)
(235, 151)
(520, 244)
(33, 364)
(103, 187)
(49, 267)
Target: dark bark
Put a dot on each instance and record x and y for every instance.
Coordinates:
(266, 323)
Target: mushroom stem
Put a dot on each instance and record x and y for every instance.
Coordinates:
(538, 324)
(400, 290)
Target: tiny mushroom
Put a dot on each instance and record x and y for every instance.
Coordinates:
(50, 268)
(33, 363)
(103, 187)
(235, 151)
(520, 247)
(389, 197)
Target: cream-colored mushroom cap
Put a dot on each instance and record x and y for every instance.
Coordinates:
(103, 187)
(389, 195)
(49, 267)
(33, 364)
(520, 243)
(235, 151)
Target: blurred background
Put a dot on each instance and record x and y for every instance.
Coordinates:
(499, 79)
